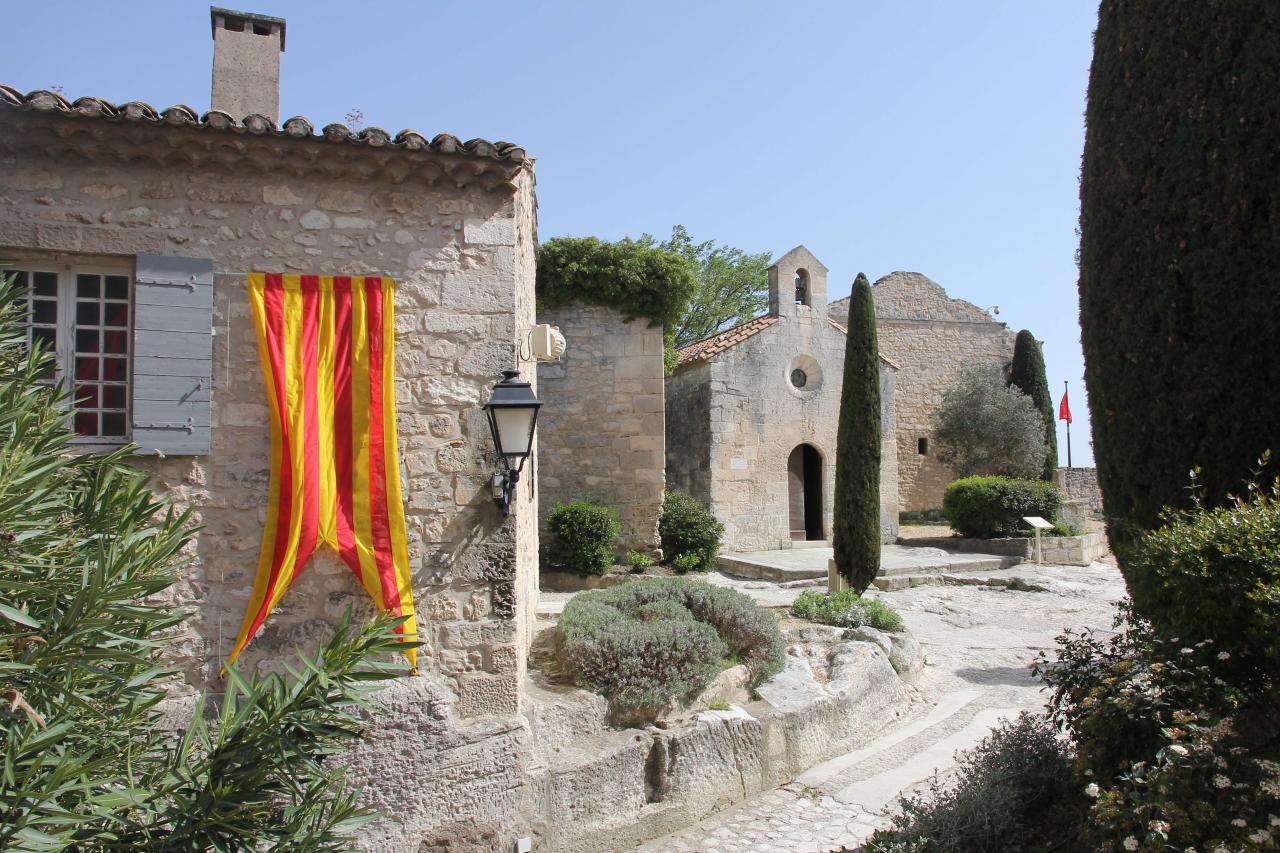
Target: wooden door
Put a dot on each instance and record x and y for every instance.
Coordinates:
(795, 492)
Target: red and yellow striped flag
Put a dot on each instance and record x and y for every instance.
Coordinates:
(327, 347)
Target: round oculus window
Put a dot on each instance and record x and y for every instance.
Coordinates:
(799, 378)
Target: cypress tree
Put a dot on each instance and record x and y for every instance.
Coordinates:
(856, 533)
(1028, 376)
(1180, 237)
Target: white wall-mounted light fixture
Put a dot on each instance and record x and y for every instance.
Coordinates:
(546, 343)
(513, 415)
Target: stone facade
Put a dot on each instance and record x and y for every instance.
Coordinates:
(1080, 486)
(602, 424)
(933, 339)
(736, 414)
(455, 227)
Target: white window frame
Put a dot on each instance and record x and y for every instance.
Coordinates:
(67, 268)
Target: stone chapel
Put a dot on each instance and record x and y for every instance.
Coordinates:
(752, 414)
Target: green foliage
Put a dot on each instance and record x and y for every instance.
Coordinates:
(1214, 573)
(1179, 756)
(1180, 200)
(638, 561)
(856, 526)
(1016, 791)
(581, 535)
(690, 534)
(633, 277)
(1028, 376)
(991, 507)
(987, 427)
(648, 643)
(923, 516)
(732, 285)
(845, 609)
(87, 555)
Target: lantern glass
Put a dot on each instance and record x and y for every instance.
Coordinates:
(513, 429)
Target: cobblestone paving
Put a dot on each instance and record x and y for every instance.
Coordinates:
(978, 643)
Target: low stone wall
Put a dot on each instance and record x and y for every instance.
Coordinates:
(1056, 550)
(605, 789)
(1080, 486)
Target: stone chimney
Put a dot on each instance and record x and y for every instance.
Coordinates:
(246, 63)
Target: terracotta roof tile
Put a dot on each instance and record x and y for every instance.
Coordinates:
(708, 348)
(180, 115)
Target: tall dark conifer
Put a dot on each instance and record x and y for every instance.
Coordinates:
(856, 534)
(1028, 376)
(1180, 238)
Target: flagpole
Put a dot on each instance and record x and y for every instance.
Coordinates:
(1064, 393)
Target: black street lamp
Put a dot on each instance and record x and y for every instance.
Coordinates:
(513, 413)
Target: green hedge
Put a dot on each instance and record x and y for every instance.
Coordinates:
(990, 507)
(690, 533)
(581, 536)
(647, 643)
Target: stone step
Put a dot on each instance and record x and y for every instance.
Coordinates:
(893, 583)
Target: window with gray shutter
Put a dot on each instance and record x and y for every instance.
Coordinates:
(172, 355)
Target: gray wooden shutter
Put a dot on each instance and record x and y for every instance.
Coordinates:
(172, 354)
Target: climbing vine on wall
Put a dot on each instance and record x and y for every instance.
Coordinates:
(637, 280)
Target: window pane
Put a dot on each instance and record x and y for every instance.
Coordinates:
(87, 314)
(113, 423)
(117, 287)
(113, 396)
(86, 423)
(115, 342)
(87, 396)
(114, 369)
(87, 286)
(44, 311)
(46, 283)
(116, 315)
(48, 336)
(87, 340)
(86, 368)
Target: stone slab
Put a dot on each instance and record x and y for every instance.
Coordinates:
(798, 564)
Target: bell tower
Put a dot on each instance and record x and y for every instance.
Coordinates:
(797, 284)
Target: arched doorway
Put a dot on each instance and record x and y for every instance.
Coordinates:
(804, 482)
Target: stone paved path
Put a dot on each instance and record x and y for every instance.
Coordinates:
(978, 643)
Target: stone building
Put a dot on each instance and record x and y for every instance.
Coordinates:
(118, 210)
(602, 426)
(933, 339)
(752, 414)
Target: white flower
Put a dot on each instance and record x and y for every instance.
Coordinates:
(1224, 655)
(1273, 820)
(1260, 837)
(1239, 823)
(1158, 826)
(1131, 843)
(1178, 749)
(1189, 850)
(1188, 651)
(1092, 789)
(1220, 781)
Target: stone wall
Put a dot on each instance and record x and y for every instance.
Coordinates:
(688, 394)
(1080, 486)
(76, 189)
(756, 418)
(933, 339)
(602, 425)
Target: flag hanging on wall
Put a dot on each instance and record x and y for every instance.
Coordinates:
(326, 346)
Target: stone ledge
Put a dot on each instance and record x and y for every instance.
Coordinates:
(1059, 550)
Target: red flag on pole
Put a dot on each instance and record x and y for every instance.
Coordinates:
(1064, 410)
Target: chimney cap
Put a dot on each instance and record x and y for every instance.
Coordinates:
(246, 17)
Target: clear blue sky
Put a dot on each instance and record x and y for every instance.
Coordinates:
(932, 136)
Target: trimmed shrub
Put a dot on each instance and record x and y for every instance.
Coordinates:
(856, 528)
(1028, 376)
(639, 561)
(645, 644)
(687, 527)
(923, 516)
(1214, 574)
(845, 609)
(582, 534)
(990, 507)
(1016, 791)
(1179, 205)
